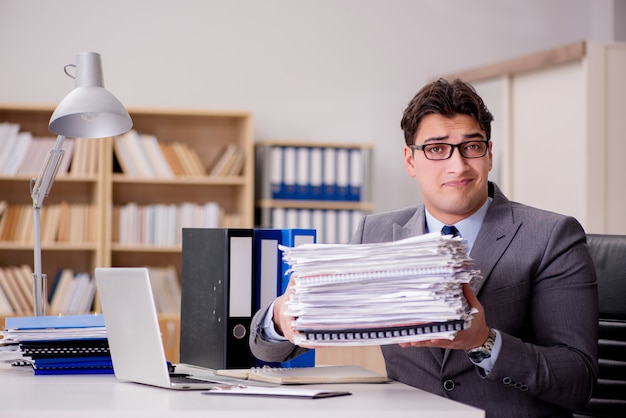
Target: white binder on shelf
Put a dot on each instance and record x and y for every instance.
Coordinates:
(355, 182)
(276, 171)
(330, 171)
(303, 177)
(343, 173)
(316, 172)
(289, 173)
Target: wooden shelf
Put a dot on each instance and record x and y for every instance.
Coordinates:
(314, 204)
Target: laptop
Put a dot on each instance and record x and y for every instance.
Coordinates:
(133, 332)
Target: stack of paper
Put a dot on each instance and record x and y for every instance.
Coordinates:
(383, 293)
(72, 344)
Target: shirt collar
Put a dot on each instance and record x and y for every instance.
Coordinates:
(468, 227)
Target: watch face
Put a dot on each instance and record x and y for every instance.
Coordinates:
(478, 356)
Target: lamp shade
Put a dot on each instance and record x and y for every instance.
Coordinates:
(89, 111)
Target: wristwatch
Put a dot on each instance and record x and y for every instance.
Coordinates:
(478, 354)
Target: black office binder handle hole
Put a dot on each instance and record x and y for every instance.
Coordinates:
(239, 331)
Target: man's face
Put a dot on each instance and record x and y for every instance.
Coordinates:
(455, 188)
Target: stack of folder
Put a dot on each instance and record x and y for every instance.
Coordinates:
(383, 293)
(72, 344)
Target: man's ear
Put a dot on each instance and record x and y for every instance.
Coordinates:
(409, 161)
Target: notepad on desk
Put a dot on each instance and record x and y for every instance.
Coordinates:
(307, 375)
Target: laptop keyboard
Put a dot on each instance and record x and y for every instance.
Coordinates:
(185, 378)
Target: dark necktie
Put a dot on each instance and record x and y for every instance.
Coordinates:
(450, 230)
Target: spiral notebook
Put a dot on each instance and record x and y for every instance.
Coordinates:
(307, 375)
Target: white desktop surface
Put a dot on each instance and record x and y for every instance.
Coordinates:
(25, 395)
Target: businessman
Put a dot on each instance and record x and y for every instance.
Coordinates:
(532, 348)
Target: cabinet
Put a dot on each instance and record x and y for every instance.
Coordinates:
(558, 133)
(323, 186)
(207, 132)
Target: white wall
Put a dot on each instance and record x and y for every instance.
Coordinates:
(307, 69)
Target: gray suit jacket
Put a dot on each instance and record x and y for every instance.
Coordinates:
(538, 289)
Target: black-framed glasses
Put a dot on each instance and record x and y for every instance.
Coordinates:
(443, 151)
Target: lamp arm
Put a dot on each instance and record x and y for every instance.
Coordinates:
(39, 189)
(48, 172)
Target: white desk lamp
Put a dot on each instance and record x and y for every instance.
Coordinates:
(89, 111)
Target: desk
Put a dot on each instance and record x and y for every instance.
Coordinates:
(70, 396)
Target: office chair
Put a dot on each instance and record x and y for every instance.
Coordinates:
(609, 256)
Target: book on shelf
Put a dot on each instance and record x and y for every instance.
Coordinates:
(145, 156)
(10, 219)
(199, 168)
(19, 153)
(167, 148)
(24, 227)
(229, 163)
(306, 375)
(122, 155)
(22, 276)
(6, 308)
(8, 138)
(160, 224)
(72, 293)
(60, 222)
(9, 290)
(156, 157)
(68, 156)
(189, 159)
(87, 159)
(166, 289)
(13, 286)
(79, 162)
(138, 155)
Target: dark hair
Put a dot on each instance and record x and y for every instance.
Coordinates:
(446, 99)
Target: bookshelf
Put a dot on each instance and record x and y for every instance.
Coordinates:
(207, 133)
(324, 186)
(82, 252)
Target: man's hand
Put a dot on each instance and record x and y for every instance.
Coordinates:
(469, 338)
(282, 322)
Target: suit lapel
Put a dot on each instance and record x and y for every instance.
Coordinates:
(496, 233)
(413, 227)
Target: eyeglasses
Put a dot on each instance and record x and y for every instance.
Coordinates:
(443, 151)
